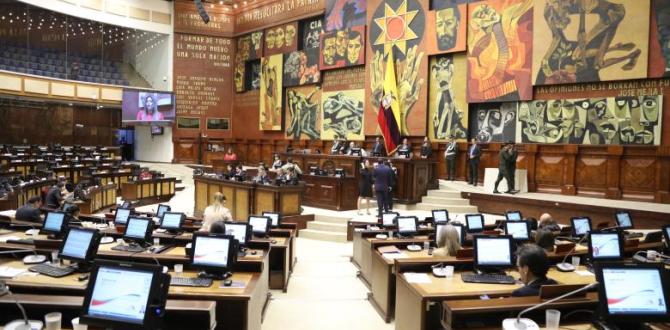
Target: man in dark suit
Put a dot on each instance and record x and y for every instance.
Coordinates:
(426, 148)
(378, 148)
(506, 168)
(54, 197)
(30, 211)
(474, 152)
(383, 176)
(532, 266)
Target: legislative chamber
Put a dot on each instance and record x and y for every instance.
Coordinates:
(334, 164)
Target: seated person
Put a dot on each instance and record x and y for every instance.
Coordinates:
(532, 265)
(230, 155)
(291, 164)
(277, 162)
(404, 148)
(262, 176)
(547, 222)
(239, 172)
(426, 148)
(448, 243)
(54, 197)
(352, 146)
(291, 178)
(218, 227)
(145, 174)
(215, 212)
(30, 211)
(545, 239)
(73, 210)
(338, 147)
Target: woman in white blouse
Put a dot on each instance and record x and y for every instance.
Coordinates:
(215, 212)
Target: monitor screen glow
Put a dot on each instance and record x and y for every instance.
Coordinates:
(582, 226)
(162, 209)
(623, 220)
(54, 221)
(237, 230)
(440, 216)
(514, 216)
(493, 252)
(77, 243)
(387, 219)
(406, 225)
(605, 245)
(259, 224)
(171, 221)
(122, 216)
(518, 230)
(147, 106)
(634, 291)
(137, 228)
(211, 251)
(274, 217)
(120, 295)
(475, 221)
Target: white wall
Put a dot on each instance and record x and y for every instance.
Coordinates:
(152, 63)
(157, 148)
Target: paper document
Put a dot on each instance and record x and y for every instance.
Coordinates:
(9, 272)
(420, 278)
(394, 255)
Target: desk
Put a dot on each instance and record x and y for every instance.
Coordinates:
(21, 194)
(415, 176)
(116, 177)
(98, 199)
(149, 191)
(236, 308)
(246, 198)
(412, 299)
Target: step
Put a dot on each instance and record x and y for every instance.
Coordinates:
(444, 193)
(451, 209)
(327, 226)
(323, 235)
(445, 201)
(331, 219)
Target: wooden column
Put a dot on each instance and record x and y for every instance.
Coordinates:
(614, 154)
(531, 156)
(662, 194)
(569, 166)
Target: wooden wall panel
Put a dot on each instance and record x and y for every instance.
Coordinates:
(549, 172)
(591, 175)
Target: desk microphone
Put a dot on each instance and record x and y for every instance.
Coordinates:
(30, 259)
(25, 323)
(519, 323)
(565, 266)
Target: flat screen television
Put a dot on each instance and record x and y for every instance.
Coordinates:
(147, 107)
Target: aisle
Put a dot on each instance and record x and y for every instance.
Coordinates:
(324, 293)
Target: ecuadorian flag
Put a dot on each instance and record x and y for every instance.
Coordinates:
(388, 116)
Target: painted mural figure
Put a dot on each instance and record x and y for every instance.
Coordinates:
(447, 24)
(343, 114)
(580, 60)
(304, 113)
(270, 76)
(448, 120)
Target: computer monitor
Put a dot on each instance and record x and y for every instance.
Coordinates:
(275, 217)
(260, 224)
(138, 230)
(80, 245)
(519, 230)
(624, 220)
(356, 151)
(55, 223)
(388, 218)
(440, 216)
(406, 225)
(121, 216)
(172, 221)
(403, 153)
(213, 253)
(493, 251)
(126, 204)
(459, 229)
(580, 226)
(240, 231)
(474, 223)
(162, 208)
(125, 295)
(606, 246)
(633, 293)
(513, 216)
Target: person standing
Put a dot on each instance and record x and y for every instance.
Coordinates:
(383, 176)
(450, 156)
(394, 179)
(377, 148)
(506, 168)
(364, 187)
(473, 162)
(426, 148)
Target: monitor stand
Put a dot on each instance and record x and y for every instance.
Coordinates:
(608, 325)
(242, 252)
(82, 267)
(215, 275)
(405, 236)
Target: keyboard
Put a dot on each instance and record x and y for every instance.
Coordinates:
(191, 281)
(27, 241)
(487, 278)
(52, 271)
(129, 248)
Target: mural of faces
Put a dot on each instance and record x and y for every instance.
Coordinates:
(495, 122)
(342, 48)
(447, 22)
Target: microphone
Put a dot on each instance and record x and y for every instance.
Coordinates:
(565, 266)
(25, 323)
(519, 323)
(30, 259)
